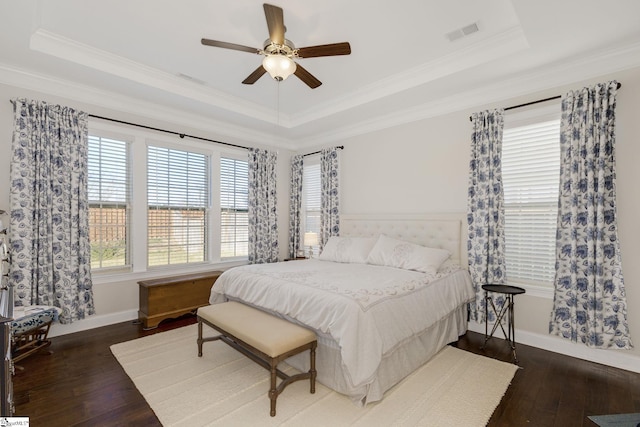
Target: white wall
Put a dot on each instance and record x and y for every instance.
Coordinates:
(422, 167)
(116, 297)
(415, 168)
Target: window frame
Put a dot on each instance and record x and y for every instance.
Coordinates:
(206, 209)
(139, 139)
(220, 210)
(530, 116)
(305, 226)
(127, 140)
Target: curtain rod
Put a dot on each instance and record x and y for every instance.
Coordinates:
(538, 101)
(339, 147)
(181, 135)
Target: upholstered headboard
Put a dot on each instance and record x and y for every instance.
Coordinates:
(441, 230)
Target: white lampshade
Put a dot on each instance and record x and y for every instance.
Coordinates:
(310, 239)
(279, 67)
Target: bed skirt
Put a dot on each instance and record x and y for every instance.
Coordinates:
(396, 364)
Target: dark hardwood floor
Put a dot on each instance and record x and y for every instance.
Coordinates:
(82, 384)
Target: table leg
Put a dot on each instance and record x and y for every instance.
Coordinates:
(512, 331)
(486, 320)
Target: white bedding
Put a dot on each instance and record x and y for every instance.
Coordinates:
(368, 310)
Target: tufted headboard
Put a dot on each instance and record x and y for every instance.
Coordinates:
(441, 230)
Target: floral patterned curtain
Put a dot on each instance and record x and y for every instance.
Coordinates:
(485, 208)
(263, 214)
(295, 204)
(329, 198)
(49, 237)
(589, 302)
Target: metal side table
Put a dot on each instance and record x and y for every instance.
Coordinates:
(507, 309)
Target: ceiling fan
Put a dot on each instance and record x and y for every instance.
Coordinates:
(279, 53)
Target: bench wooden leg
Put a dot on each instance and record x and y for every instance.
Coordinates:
(273, 391)
(199, 337)
(312, 370)
(200, 340)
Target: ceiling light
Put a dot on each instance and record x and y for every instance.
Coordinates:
(279, 67)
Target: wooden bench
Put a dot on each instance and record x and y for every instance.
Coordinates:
(265, 339)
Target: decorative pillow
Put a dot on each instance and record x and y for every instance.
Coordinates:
(347, 249)
(409, 256)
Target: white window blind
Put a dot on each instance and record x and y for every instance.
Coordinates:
(109, 191)
(234, 220)
(178, 201)
(311, 194)
(530, 174)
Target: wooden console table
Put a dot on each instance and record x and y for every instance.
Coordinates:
(171, 297)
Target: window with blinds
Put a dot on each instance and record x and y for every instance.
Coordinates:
(234, 220)
(311, 193)
(530, 175)
(178, 201)
(109, 192)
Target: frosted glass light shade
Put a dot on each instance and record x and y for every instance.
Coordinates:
(279, 67)
(310, 239)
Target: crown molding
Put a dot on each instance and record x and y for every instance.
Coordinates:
(498, 46)
(70, 50)
(559, 74)
(553, 75)
(105, 99)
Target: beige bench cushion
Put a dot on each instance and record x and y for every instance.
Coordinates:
(269, 334)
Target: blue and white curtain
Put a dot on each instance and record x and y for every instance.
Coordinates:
(485, 208)
(329, 196)
(589, 303)
(49, 237)
(295, 204)
(263, 213)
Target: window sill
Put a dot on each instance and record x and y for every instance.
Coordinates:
(534, 290)
(112, 277)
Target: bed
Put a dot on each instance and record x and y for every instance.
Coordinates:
(377, 319)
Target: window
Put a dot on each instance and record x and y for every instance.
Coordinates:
(234, 220)
(311, 193)
(154, 204)
(109, 192)
(178, 202)
(530, 175)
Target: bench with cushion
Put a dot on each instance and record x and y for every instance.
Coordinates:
(30, 329)
(265, 339)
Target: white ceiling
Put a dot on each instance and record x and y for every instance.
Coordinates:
(146, 56)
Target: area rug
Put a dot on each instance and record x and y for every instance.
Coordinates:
(224, 388)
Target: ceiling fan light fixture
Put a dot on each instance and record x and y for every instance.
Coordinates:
(279, 67)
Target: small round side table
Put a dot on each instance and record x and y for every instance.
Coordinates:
(507, 310)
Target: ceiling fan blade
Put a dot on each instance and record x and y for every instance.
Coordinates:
(307, 77)
(275, 23)
(232, 46)
(343, 48)
(253, 77)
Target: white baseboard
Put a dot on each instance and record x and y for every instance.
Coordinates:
(91, 322)
(615, 358)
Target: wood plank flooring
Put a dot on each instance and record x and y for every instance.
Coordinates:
(82, 384)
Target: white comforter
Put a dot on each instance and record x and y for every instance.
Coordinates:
(367, 309)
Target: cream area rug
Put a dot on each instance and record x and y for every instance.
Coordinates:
(224, 388)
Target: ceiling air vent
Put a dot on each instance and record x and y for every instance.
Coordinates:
(462, 32)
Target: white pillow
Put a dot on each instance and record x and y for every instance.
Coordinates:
(409, 256)
(347, 249)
